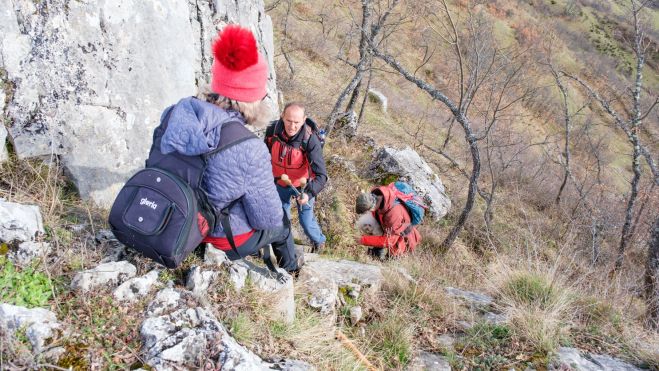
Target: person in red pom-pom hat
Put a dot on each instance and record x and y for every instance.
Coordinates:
(239, 71)
(240, 175)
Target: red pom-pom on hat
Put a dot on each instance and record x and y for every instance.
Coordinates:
(236, 48)
(239, 71)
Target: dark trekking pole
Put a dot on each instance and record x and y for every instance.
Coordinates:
(303, 184)
(287, 180)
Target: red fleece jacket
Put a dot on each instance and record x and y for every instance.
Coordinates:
(394, 219)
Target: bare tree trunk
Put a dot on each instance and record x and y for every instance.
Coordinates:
(566, 148)
(364, 100)
(633, 135)
(595, 233)
(652, 279)
(354, 96)
(473, 188)
(291, 68)
(360, 68)
(629, 212)
(369, 33)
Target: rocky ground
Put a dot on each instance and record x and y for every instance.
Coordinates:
(178, 322)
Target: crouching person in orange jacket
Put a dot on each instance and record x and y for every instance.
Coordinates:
(398, 234)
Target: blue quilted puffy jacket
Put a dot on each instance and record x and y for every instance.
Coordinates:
(243, 170)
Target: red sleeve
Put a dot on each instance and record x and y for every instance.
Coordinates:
(379, 241)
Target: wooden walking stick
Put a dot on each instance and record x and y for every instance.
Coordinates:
(348, 344)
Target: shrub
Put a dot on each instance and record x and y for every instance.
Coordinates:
(26, 287)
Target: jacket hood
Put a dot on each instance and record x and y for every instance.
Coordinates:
(388, 197)
(194, 127)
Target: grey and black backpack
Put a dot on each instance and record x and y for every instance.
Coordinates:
(162, 211)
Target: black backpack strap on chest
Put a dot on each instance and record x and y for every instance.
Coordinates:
(226, 224)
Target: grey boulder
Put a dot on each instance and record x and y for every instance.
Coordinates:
(166, 300)
(19, 222)
(406, 164)
(4, 155)
(574, 359)
(281, 293)
(40, 325)
(321, 279)
(106, 274)
(180, 334)
(474, 299)
(199, 280)
(192, 338)
(137, 287)
(426, 361)
(379, 98)
(28, 251)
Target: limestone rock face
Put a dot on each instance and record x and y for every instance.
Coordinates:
(90, 78)
(180, 334)
(281, 293)
(199, 280)
(19, 222)
(39, 324)
(474, 299)
(321, 279)
(105, 274)
(187, 336)
(406, 164)
(3, 134)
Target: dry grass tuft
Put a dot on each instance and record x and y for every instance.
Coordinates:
(35, 182)
(538, 305)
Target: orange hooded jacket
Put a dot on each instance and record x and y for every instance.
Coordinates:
(399, 235)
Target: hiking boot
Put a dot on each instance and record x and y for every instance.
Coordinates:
(317, 248)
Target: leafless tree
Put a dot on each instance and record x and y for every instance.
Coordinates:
(567, 117)
(631, 125)
(370, 31)
(482, 69)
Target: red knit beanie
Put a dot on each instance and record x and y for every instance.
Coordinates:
(239, 71)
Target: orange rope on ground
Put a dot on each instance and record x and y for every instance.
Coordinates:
(348, 344)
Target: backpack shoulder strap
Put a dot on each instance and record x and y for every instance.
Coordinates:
(308, 132)
(231, 133)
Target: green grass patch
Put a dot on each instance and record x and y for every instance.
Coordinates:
(26, 287)
(486, 336)
(391, 338)
(503, 34)
(529, 288)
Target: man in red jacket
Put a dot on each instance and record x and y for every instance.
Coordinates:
(400, 236)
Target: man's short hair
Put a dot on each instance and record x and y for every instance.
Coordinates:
(294, 104)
